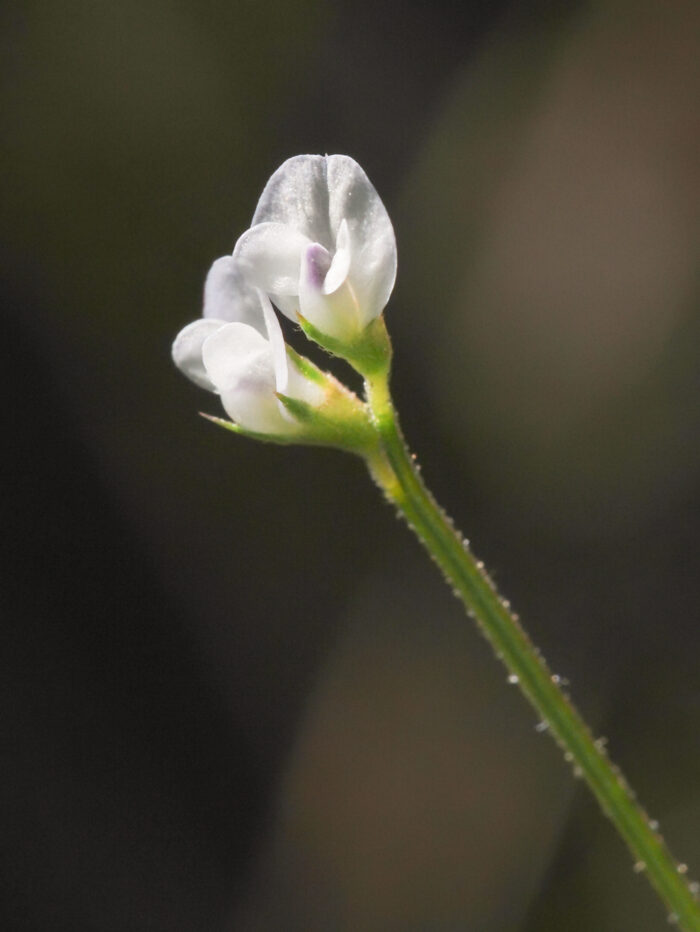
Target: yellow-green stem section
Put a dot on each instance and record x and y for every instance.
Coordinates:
(394, 470)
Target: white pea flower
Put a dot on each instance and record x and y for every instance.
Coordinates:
(237, 350)
(322, 245)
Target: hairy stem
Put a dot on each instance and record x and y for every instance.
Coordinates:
(394, 470)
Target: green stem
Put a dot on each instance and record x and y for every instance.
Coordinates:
(394, 470)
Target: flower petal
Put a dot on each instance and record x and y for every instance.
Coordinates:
(314, 194)
(340, 265)
(274, 335)
(229, 296)
(187, 350)
(334, 314)
(297, 195)
(232, 350)
(269, 255)
(239, 361)
(372, 242)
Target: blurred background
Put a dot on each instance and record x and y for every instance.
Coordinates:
(235, 693)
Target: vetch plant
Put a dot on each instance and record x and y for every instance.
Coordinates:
(322, 250)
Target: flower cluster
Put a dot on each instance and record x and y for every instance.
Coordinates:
(321, 249)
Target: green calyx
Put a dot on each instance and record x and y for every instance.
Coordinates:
(369, 353)
(341, 420)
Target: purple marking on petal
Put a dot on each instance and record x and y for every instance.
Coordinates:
(318, 261)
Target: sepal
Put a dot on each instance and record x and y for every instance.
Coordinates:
(285, 439)
(341, 420)
(369, 353)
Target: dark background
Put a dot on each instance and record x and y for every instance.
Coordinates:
(235, 693)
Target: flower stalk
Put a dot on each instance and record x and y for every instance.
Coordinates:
(395, 472)
(321, 250)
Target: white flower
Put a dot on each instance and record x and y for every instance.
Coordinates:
(322, 245)
(237, 350)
